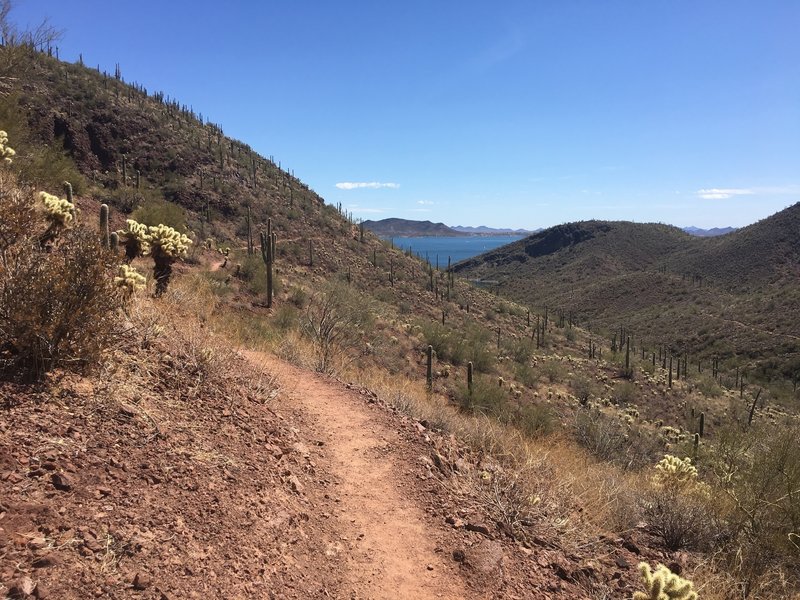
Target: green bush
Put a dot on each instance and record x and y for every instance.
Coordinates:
(158, 212)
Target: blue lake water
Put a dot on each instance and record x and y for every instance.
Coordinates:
(457, 248)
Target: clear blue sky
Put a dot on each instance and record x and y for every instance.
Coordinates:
(510, 113)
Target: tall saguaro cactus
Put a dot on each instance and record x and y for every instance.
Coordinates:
(105, 237)
(267, 254)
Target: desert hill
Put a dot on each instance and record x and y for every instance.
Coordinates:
(406, 227)
(734, 296)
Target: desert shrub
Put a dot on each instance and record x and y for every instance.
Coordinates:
(521, 350)
(335, 321)
(535, 420)
(583, 388)
(58, 308)
(624, 393)
(553, 370)
(286, 317)
(677, 508)
(487, 396)
(254, 273)
(527, 375)
(758, 471)
(50, 166)
(608, 438)
(438, 337)
(708, 386)
(298, 297)
(160, 212)
(460, 346)
(18, 212)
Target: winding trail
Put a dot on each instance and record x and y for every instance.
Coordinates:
(389, 549)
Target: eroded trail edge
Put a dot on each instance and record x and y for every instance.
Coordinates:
(386, 546)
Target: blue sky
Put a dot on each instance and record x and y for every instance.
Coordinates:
(507, 114)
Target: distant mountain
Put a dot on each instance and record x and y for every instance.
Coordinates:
(409, 228)
(714, 232)
(483, 230)
(735, 295)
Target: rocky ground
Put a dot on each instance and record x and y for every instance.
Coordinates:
(259, 480)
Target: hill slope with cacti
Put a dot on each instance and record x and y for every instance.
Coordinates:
(532, 447)
(734, 297)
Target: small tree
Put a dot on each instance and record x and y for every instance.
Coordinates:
(334, 321)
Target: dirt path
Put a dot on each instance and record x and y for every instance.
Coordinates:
(389, 549)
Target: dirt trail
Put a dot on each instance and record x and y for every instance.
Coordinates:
(390, 550)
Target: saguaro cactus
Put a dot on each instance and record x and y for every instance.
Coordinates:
(628, 354)
(429, 375)
(104, 235)
(268, 256)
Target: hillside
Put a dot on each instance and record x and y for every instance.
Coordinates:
(386, 228)
(733, 296)
(326, 440)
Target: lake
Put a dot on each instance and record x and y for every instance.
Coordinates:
(457, 248)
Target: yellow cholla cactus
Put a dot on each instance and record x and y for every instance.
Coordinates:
(170, 242)
(6, 152)
(663, 584)
(59, 211)
(136, 239)
(672, 471)
(129, 279)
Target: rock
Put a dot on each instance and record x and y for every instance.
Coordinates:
(478, 528)
(41, 592)
(141, 581)
(61, 482)
(455, 522)
(42, 562)
(462, 466)
(297, 487)
(22, 587)
(37, 543)
(486, 558)
(630, 546)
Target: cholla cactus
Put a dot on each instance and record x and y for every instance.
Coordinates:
(672, 472)
(168, 245)
(59, 212)
(165, 239)
(663, 584)
(136, 239)
(130, 280)
(6, 152)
